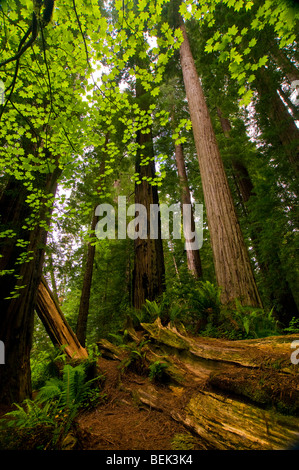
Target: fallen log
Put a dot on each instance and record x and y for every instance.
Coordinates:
(56, 325)
(237, 395)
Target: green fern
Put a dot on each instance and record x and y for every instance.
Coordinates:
(50, 391)
(255, 322)
(157, 370)
(152, 309)
(29, 414)
(70, 391)
(206, 299)
(293, 326)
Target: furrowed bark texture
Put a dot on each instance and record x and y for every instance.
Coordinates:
(232, 265)
(86, 288)
(17, 312)
(148, 274)
(278, 287)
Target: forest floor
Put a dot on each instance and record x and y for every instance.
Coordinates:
(217, 400)
(122, 422)
(214, 394)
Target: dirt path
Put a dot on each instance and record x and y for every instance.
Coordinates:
(217, 395)
(124, 423)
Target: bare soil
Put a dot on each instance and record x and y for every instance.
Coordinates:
(124, 423)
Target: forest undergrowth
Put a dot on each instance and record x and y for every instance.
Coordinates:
(81, 404)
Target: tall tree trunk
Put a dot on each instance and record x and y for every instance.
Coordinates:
(281, 297)
(17, 312)
(193, 256)
(149, 270)
(232, 264)
(81, 328)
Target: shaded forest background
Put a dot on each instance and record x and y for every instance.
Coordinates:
(169, 102)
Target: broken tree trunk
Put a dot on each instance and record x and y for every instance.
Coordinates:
(237, 395)
(55, 323)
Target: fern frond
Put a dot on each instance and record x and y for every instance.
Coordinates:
(73, 380)
(50, 391)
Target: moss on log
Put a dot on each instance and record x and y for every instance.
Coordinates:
(241, 395)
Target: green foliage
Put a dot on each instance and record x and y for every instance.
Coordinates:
(239, 322)
(157, 371)
(136, 357)
(183, 441)
(293, 326)
(31, 414)
(205, 299)
(70, 390)
(197, 308)
(151, 311)
(45, 365)
(54, 106)
(192, 302)
(55, 407)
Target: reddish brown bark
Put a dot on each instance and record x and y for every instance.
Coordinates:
(281, 297)
(193, 256)
(17, 312)
(56, 324)
(149, 271)
(232, 264)
(148, 274)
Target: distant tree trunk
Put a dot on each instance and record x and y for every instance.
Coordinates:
(290, 105)
(279, 117)
(289, 68)
(81, 328)
(241, 174)
(55, 323)
(232, 264)
(282, 297)
(17, 312)
(193, 256)
(149, 270)
(173, 259)
(52, 274)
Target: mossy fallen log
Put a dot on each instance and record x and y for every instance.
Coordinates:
(239, 395)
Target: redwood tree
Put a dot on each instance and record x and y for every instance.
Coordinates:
(232, 264)
(149, 270)
(277, 286)
(19, 285)
(193, 256)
